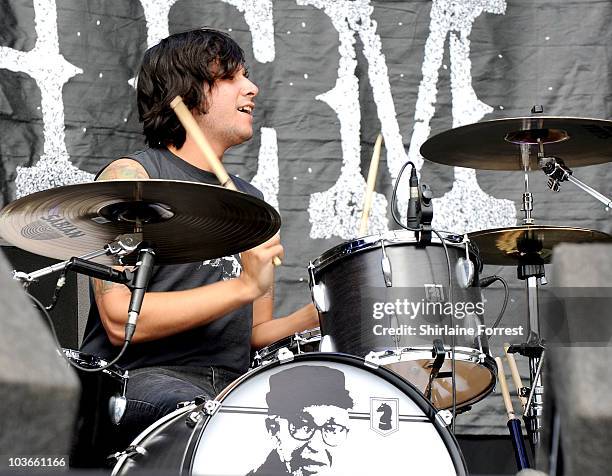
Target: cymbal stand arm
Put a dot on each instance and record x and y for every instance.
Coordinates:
(558, 172)
(591, 191)
(122, 246)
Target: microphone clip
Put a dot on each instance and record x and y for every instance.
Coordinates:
(556, 170)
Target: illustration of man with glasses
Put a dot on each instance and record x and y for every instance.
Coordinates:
(308, 419)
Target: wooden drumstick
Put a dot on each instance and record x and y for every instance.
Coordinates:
(372, 173)
(192, 128)
(514, 424)
(501, 376)
(516, 376)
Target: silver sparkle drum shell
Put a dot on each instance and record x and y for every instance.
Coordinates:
(346, 279)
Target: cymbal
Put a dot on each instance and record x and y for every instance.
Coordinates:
(496, 144)
(182, 221)
(508, 246)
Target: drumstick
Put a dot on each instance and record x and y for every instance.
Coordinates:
(192, 128)
(372, 173)
(514, 424)
(501, 376)
(516, 377)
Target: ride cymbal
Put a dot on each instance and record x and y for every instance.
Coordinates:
(528, 244)
(496, 144)
(182, 221)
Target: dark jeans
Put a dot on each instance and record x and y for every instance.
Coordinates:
(153, 392)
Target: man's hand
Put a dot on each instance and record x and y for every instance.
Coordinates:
(257, 267)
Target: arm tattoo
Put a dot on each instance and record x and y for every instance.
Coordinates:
(102, 287)
(123, 169)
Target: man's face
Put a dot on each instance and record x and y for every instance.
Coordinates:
(306, 442)
(229, 120)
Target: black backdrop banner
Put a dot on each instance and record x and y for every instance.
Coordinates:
(332, 74)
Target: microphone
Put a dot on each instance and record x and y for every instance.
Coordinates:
(413, 214)
(142, 276)
(99, 271)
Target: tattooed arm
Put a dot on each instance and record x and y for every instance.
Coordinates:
(168, 313)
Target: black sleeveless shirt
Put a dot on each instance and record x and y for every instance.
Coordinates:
(224, 342)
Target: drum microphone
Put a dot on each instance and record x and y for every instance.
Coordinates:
(413, 214)
(99, 271)
(140, 283)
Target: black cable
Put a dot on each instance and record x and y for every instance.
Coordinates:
(47, 316)
(453, 343)
(397, 220)
(59, 284)
(394, 201)
(506, 298)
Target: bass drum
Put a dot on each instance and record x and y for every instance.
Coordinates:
(317, 414)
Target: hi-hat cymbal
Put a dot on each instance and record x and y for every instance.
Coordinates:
(496, 144)
(523, 244)
(182, 221)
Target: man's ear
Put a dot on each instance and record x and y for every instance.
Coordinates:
(272, 426)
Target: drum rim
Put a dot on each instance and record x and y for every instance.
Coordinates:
(150, 430)
(450, 442)
(268, 351)
(461, 356)
(391, 238)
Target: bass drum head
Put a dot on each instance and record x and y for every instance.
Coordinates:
(322, 414)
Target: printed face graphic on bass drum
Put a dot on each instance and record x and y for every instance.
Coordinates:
(321, 414)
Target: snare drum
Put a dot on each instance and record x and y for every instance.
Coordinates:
(101, 407)
(352, 283)
(317, 414)
(298, 343)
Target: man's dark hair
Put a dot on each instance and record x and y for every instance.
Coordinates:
(181, 65)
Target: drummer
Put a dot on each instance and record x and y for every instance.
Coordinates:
(199, 320)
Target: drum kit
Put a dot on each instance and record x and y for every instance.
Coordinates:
(405, 389)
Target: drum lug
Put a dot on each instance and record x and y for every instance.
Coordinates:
(116, 408)
(371, 360)
(284, 355)
(385, 264)
(131, 452)
(327, 344)
(194, 418)
(445, 417)
(319, 296)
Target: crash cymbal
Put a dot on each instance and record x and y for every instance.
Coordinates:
(509, 246)
(182, 221)
(495, 145)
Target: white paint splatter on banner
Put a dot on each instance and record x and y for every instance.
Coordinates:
(337, 211)
(229, 266)
(267, 176)
(157, 13)
(258, 15)
(466, 207)
(51, 71)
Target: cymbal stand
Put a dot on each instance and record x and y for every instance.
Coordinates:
(531, 270)
(558, 172)
(122, 246)
(527, 195)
